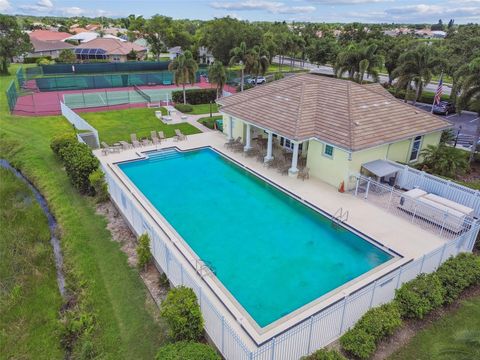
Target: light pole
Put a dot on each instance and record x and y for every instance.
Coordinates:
(456, 137)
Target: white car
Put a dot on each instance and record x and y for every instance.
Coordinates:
(260, 80)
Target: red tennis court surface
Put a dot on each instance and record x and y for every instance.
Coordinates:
(48, 103)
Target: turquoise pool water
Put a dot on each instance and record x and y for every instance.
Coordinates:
(271, 252)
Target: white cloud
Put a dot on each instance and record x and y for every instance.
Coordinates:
(429, 11)
(273, 7)
(349, 2)
(42, 6)
(5, 6)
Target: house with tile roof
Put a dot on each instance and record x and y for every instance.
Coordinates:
(115, 50)
(48, 35)
(334, 126)
(48, 43)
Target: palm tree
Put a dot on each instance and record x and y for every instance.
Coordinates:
(444, 160)
(417, 66)
(469, 86)
(184, 67)
(257, 62)
(239, 56)
(358, 60)
(217, 76)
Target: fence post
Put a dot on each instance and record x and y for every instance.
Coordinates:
(373, 294)
(421, 266)
(390, 198)
(368, 187)
(422, 178)
(223, 333)
(343, 313)
(167, 259)
(273, 348)
(310, 335)
(446, 186)
(445, 215)
(181, 274)
(356, 185)
(399, 277)
(441, 255)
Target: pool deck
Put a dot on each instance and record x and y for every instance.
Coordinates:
(408, 240)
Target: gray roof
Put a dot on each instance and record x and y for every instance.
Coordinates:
(380, 168)
(40, 45)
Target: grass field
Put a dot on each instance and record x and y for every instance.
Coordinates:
(445, 334)
(204, 109)
(117, 125)
(29, 300)
(125, 327)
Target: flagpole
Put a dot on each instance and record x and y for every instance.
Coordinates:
(440, 83)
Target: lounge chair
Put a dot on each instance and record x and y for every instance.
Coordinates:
(232, 143)
(283, 168)
(107, 149)
(146, 142)
(155, 138)
(135, 141)
(125, 145)
(180, 136)
(303, 173)
(161, 136)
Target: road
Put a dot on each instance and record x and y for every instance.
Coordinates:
(328, 70)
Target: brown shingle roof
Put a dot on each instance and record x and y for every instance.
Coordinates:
(339, 112)
(112, 46)
(40, 45)
(47, 35)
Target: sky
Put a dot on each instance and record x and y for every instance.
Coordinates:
(369, 11)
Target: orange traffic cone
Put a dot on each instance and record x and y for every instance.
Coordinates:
(342, 187)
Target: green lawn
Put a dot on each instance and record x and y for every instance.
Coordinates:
(204, 109)
(444, 334)
(29, 300)
(117, 125)
(209, 121)
(125, 327)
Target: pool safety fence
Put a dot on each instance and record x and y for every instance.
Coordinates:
(312, 333)
(89, 135)
(12, 95)
(409, 178)
(445, 224)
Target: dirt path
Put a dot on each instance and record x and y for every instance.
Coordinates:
(122, 234)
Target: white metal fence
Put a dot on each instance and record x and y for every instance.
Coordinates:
(409, 178)
(79, 123)
(313, 333)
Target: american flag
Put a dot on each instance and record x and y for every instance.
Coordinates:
(438, 94)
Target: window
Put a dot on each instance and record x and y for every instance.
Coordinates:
(328, 150)
(417, 141)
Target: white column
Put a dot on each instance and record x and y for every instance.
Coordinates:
(248, 140)
(230, 128)
(293, 169)
(269, 146)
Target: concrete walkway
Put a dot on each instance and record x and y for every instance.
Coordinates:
(178, 117)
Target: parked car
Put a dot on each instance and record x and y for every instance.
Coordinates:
(444, 108)
(259, 80)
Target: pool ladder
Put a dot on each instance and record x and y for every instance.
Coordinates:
(340, 217)
(203, 268)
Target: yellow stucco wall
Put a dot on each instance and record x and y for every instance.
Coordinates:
(333, 169)
(238, 127)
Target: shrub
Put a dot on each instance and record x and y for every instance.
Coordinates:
(381, 321)
(325, 354)
(61, 141)
(184, 350)
(419, 296)
(182, 314)
(79, 164)
(143, 251)
(35, 59)
(458, 273)
(184, 108)
(358, 343)
(195, 96)
(97, 180)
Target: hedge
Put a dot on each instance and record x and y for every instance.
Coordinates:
(182, 314)
(325, 354)
(184, 108)
(195, 96)
(420, 296)
(458, 273)
(373, 326)
(61, 141)
(79, 164)
(33, 60)
(97, 180)
(184, 350)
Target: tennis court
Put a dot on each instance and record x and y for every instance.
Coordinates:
(111, 98)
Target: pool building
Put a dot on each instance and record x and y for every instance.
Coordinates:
(277, 271)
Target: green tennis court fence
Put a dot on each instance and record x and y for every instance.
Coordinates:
(20, 76)
(92, 68)
(12, 96)
(33, 72)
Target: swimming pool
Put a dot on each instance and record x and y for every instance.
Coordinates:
(270, 251)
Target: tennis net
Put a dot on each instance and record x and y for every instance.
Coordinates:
(142, 93)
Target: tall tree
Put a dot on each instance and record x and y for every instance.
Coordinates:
(156, 32)
(358, 60)
(257, 62)
(218, 76)
(184, 67)
(323, 50)
(13, 42)
(418, 66)
(239, 55)
(469, 85)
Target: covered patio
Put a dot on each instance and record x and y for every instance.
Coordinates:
(288, 156)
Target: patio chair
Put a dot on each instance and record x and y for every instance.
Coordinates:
(180, 136)
(251, 152)
(135, 141)
(146, 142)
(161, 136)
(283, 168)
(106, 149)
(229, 143)
(154, 137)
(125, 145)
(303, 173)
